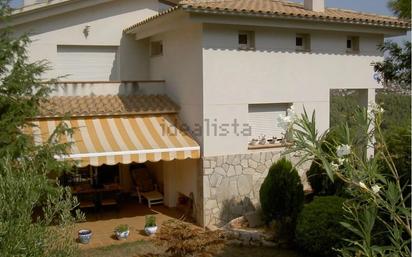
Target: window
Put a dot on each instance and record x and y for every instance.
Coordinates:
(156, 48)
(264, 121)
(88, 63)
(352, 44)
(349, 43)
(246, 40)
(303, 42)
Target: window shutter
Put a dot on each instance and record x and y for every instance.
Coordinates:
(87, 63)
(263, 119)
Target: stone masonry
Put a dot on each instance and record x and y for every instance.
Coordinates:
(231, 184)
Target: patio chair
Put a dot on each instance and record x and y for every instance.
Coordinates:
(145, 187)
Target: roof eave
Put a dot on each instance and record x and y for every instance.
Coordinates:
(401, 23)
(132, 29)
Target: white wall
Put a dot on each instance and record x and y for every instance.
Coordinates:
(186, 173)
(181, 67)
(106, 22)
(179, 176)
(275, 73)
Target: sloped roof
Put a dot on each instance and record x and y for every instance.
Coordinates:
(280, 8)
(80, 106)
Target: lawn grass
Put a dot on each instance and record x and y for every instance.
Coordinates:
(137, 248)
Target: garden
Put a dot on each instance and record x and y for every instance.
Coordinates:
(359, 205)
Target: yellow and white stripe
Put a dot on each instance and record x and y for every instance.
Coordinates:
(121, 139)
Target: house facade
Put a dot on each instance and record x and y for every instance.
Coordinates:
(232, 67)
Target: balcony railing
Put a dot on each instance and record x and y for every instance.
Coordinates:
(133, 82)
(96, 87)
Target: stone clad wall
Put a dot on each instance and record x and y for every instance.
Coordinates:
(231, 184)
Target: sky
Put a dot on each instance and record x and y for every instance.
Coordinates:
(371, 6)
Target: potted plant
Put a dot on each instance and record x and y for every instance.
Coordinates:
(272, 140)
(150, 227)
(254, 141)
(85, 235)
(262, 140)
(122, 232)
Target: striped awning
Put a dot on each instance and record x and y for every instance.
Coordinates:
(121, 139)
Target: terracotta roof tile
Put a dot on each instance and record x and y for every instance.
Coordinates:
(60, 106)
(282, 9)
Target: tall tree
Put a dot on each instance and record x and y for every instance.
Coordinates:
(35, 211)
(395, 70)
(21, 89)
(402, 8)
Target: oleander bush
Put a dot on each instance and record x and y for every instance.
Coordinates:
(395, 126)
(378, 214)
(318, 230)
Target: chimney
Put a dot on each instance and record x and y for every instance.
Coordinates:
(315, 5)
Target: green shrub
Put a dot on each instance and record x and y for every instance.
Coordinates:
(397, 110)
(342, 106)
(320, 182)
(398, 141)
(317, 177)
(281, 193)
(397, 131)
(318, 230)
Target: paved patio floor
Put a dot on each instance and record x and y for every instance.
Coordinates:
(103, 222)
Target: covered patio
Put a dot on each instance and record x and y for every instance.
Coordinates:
(132, 158)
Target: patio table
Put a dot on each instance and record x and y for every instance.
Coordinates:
(98, 192)
(91, 190)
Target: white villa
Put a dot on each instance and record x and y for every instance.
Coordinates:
(190, 88)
